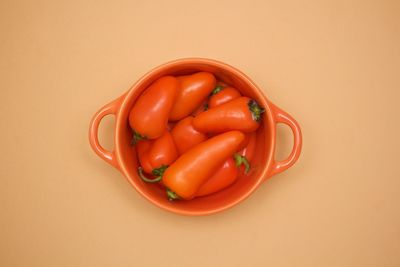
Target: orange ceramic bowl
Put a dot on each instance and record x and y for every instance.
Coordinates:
(263, 164)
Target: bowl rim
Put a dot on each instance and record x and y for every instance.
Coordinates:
(270, 125)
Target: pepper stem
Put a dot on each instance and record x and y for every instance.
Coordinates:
(255, 110)
(242, 160)
(137, 137)
(159, 171)
(217, 89)
(148, 180)
(171, 195)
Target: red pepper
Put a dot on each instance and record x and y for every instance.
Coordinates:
(227, 174)
(185, 136)
(192, 91)
(221, 95)
(156, 155)
(186, 175)
(149, 116)
(243, 114)
(250, 148)
(223, 177)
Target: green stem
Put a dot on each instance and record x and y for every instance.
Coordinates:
(242, 160)
(171, 195)
(159, 171)
(137, 137)
(217, 89)
(255, 110)
(147, 180)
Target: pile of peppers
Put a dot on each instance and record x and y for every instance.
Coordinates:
(193, 134)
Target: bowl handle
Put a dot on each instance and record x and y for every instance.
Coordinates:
(283, 117)
(110, 108)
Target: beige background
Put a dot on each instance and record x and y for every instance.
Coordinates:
(334, 65)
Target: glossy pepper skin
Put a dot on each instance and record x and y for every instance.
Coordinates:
(222, 178)
(227, 174)
(202, 107)
(243, 114)
(186, 175)
(149, 115)
(193, 90)
(185, 136)
(250, 148)
(154, 154)
(222, 95)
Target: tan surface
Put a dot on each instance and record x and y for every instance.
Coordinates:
(333, 65)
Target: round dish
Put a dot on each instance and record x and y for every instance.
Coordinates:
(263, 164)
